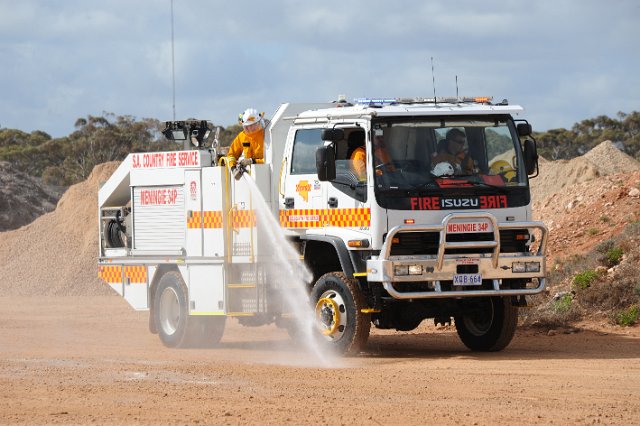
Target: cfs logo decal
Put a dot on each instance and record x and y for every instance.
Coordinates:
(193, 189)
(303, 188)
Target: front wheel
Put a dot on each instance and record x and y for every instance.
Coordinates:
(489, 324)
(338, 304)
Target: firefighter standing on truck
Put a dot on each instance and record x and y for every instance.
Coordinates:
(250, 141)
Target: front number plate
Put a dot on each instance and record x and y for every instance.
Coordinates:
(467, 279)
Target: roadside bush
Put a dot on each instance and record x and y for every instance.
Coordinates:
(584, 279)
(563, 304)
(613, 256)
(627, 317)
(555, 312)
(605, 246)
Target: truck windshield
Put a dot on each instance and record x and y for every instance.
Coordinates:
(445, 155)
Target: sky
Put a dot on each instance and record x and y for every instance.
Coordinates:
(564, 60)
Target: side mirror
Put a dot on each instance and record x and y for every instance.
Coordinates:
(332, 135)
(326, 163)
(530, 157)
(524, 129)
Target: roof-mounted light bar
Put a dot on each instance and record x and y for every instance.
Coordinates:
(447, 100)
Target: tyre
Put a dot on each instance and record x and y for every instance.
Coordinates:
(338, 302)
(489, 325)
(175, 326)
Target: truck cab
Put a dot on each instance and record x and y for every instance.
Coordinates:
(427, 227)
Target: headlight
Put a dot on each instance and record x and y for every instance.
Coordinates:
(533, 266)
(401, 270)
(407, 270)
(520, 267)
(415, 269)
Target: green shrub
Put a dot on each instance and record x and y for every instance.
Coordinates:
(628, 316)
(613, 256)
(563, 304)
(593, 231)
(604, 219)
(632, 228)
(584, 279)
(604, 246)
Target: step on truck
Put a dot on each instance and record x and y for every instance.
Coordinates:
(409, 228)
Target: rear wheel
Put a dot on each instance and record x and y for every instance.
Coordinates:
(489, 325)
(175, 326)
(338, 304)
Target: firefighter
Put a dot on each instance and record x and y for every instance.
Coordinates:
(357, 154)
(250, 141)
(451, 150)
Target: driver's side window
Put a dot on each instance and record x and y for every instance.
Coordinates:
(351, 165)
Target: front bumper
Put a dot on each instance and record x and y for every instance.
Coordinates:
(435, 269)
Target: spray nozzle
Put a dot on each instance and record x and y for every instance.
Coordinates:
(238, 170)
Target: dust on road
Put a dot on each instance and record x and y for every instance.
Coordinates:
(77, 360)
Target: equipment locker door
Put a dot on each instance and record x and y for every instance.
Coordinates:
(193, 207)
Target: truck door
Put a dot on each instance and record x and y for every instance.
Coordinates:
(349, 189)
(302, 196)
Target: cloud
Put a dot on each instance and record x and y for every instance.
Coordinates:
(563, 61)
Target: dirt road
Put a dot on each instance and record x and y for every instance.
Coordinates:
(79, 360)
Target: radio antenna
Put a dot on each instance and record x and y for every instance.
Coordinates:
(173, 67)
(457, 96)
(433, 81)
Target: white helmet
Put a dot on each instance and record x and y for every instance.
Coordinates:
(251, 116)
(443, 169)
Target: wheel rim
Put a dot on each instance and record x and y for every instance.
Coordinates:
(479, 322)
(331, 315)
(169, 311)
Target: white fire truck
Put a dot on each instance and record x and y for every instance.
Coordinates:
(412, 228)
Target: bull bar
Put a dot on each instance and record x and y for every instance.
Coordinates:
(493, 266)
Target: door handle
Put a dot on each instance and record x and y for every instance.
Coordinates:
(333, 202)
(289, 202)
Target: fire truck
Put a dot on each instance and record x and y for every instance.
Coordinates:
(417, 226)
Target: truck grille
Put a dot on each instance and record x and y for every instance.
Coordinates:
(426, 243)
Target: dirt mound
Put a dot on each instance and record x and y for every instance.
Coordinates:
(555, 176)
(23, 198)
(610, 160)
(586, 213)
(56, 254)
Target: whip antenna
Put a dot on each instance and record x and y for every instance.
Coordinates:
(433, 81)
(173, 67)
(457, 96)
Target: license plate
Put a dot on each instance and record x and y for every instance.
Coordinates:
(467, 279)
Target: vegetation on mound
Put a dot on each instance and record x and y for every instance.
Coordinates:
(601, 284)
(97, 139)
(563, 144)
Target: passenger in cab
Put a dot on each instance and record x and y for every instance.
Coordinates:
(452, 150)
(357, 154)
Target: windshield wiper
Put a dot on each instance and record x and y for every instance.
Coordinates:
(477, 181)
(424, 185)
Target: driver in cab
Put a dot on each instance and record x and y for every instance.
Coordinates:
(451, 150)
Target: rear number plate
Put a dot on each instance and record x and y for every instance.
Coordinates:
(467, 279)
